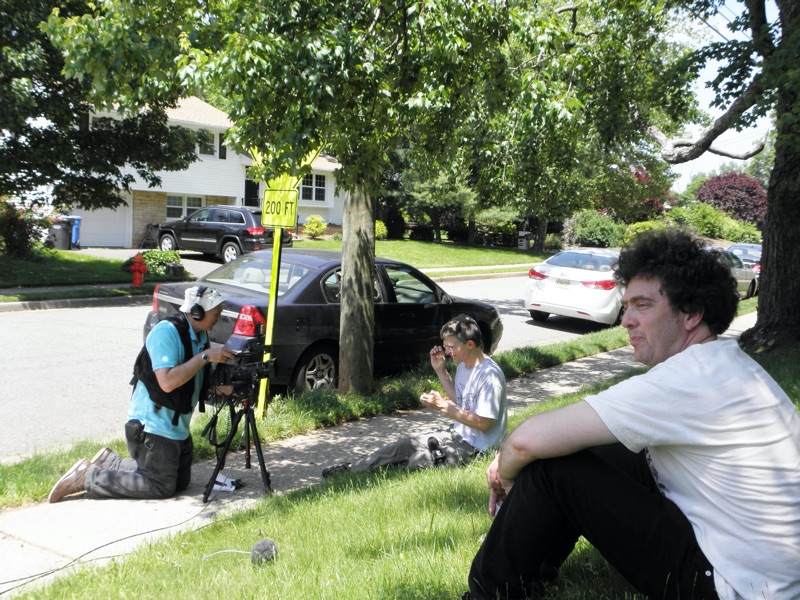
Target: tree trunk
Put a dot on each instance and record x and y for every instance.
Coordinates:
(779, 295)
(541, 234)
(357, 319)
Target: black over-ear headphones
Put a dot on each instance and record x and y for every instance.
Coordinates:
(198, 312)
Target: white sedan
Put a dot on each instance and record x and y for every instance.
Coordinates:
(578, 283)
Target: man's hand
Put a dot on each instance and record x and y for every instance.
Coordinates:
(498, 486)
(435, 400)
(219, 354)
(438, 358)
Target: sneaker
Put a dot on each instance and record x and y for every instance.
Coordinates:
(71, 482)
(99, 459)
(335, 470)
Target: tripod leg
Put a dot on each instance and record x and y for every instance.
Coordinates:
(223, 453)
(248, 412)
(250, 421)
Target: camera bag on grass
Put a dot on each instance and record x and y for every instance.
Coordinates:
(179, 400)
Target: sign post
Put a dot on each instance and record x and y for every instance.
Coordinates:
(279, 210)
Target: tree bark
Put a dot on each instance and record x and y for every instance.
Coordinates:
(357, 318)
(541, 234)
(779, 296)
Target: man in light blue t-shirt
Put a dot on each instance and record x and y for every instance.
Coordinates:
(172, 373)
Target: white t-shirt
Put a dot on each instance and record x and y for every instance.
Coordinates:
(482, 390)
(724, 444)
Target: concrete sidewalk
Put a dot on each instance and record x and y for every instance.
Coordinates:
(42, 541)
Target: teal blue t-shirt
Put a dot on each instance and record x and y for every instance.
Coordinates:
(166, 351)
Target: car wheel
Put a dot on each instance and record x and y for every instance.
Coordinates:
(167, 243)
(230, 251)
(751, 291)
(317, 368)
(538, 315)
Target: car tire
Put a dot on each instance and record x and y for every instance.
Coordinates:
(167, 243)
(538, 315)
(751, 291)
(318, 368)
(230, 251)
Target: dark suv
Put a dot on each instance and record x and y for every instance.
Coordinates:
(228, 231)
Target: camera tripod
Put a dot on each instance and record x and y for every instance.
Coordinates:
(250, 432)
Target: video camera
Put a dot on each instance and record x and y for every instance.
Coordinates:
(247, 368)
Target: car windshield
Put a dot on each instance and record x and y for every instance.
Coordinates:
(582, 260)
(255, 274)
(754, 251)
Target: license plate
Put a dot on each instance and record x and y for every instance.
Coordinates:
(563, 282)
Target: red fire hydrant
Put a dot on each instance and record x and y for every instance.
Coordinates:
(138, 268)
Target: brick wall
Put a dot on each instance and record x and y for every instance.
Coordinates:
(147, 207)
(214, 200)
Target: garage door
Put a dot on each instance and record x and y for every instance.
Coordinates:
(105, 227)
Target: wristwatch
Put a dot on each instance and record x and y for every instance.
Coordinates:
(204, 356)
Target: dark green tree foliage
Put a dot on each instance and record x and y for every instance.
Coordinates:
(355, 77)
(740, 196)
(47, 140)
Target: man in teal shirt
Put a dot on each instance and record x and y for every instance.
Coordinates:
(158, 438)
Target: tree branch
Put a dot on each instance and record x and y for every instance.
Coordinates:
(759, 28)
(681, 151)
(574, 28)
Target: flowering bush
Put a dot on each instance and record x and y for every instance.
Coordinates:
(21, 228)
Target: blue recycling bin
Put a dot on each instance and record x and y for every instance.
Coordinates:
(75, 241)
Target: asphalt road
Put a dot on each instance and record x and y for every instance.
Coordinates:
(66, 371)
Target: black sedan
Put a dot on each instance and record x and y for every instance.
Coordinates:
(410, 310)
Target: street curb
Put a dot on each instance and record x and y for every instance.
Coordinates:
(147, 299)
(75, 303)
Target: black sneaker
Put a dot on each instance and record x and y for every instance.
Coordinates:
(335, 470)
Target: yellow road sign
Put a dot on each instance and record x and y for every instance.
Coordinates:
(279, 208)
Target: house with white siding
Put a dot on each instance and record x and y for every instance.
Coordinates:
(218, 176)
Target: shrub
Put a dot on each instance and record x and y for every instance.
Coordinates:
(704, 219)
(20, 229)
(156, 261)
(395, 223)
(553, 241)
(421, 233)
(736, 194)
(314, 226)
(635, 229)
(597, 230)
(458, 234)
(381, 233)
(742, 233)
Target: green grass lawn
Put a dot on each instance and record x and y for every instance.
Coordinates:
(390, 534)
(386, 534)
(66, 268)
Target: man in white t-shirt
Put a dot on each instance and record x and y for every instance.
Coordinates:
(686, 478)
(475, 400)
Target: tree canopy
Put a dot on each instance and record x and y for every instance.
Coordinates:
(758, 75)
(544, 102)
(353, 76)
(49, 149)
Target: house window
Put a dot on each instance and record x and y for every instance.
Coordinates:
(205, 142)
(313, 188)
(223, 150)
(180, 206)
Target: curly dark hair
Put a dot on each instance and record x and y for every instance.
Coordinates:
(692, 276)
